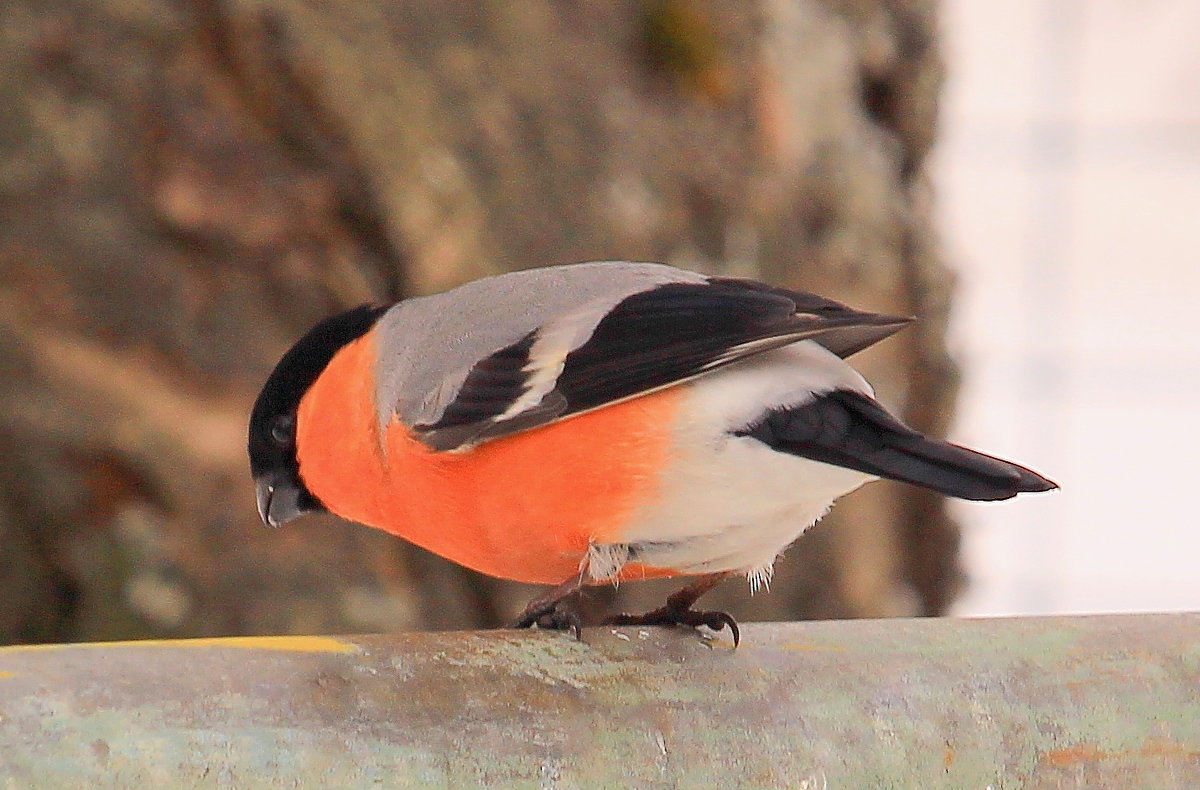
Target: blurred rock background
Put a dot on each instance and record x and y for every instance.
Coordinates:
(185, 186)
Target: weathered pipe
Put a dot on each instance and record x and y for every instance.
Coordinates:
(1088, 702)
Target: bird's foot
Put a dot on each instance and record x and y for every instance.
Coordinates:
(560, 615)
(680, 615)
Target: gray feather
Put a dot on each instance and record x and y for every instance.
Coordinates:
(428, 345)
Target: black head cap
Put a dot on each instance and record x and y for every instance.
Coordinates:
(282, 495)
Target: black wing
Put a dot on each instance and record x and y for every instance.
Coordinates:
(650, 340)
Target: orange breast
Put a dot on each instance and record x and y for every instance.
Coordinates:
(524, 507)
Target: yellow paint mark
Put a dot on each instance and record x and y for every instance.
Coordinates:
(6, 675)
(296, 644)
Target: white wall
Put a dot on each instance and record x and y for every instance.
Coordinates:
(1069, 188)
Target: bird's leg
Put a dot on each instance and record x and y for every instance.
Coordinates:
(555, 608)
(679, 611)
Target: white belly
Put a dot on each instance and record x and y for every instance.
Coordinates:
(731, 503)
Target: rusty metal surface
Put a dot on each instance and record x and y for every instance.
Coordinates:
(1091, 702)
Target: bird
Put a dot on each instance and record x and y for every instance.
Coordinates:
(596, 423)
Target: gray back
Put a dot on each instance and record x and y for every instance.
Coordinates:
(428, 345)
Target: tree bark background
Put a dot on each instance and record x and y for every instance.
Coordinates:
(187, 185)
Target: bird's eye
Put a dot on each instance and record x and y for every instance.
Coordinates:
(283, 429)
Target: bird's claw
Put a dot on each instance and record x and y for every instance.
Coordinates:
(669, 615)
(560, 616)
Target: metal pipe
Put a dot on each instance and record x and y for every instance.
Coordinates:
(1111, 701)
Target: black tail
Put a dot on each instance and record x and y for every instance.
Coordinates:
(849, 429)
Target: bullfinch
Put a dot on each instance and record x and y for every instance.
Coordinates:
(592, 423)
